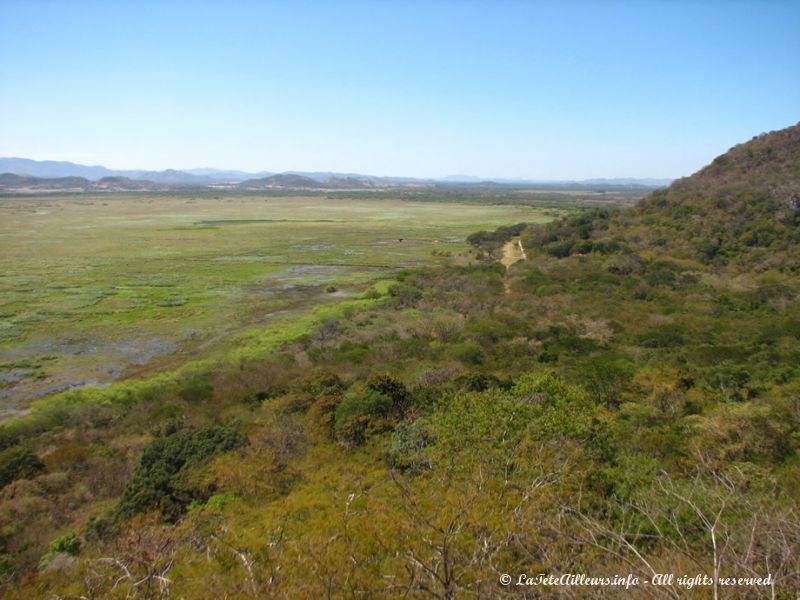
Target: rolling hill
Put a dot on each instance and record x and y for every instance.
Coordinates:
(49, 169)
(742, 210)
(12, 183)
(283, 180)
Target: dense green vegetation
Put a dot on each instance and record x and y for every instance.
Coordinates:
(18, 462)
(626, 400)
(158, 481)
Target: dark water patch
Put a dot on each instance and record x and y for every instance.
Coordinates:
(11, 377)
(289, 290)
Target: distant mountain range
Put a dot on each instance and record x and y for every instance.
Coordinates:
(318, 181)
(56, 169)
(61, 174)
(11, 182)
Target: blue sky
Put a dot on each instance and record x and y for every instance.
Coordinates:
(544, 90)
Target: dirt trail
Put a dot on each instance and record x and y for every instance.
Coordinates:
(513, 252)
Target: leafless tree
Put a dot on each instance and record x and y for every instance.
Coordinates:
(711, 521)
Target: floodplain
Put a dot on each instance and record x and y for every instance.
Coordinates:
(105, 287)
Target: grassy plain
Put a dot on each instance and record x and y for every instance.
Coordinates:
(93, 289)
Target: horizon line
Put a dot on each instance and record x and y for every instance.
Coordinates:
(476, 178)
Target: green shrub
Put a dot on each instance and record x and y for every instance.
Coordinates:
(605, 379)
(406, 450)
(560, 249)
(660, 276)
(372, 294)
(218, 502)
(478, 382)
(493, 239)
(352, 352)
(324, 382)
(393, 388)
(18, 462)
(196, 389)
(730, 380)
(158, 482)
(404, 295)
(559, 408)
(69, 543)
(469, 353)
(664, 336)
(362, 412)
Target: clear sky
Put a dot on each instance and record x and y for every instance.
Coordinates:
(542, 90)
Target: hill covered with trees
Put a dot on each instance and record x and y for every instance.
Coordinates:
(624, 401)
(741, 211)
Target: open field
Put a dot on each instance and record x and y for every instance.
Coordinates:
(95, 289)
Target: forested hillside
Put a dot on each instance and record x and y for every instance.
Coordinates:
(626, 400)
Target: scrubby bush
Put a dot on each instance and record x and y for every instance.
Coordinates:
(478, 382)
(362, 412)
(196, 389)
(406, 449)
(352, 352)
(158, 483)
(393, 388)
(469, 353)
(664, 336)
(18, 462)
(560, 249)
(323, 382)
(404, 295)
(371, 408)
(69, 543)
